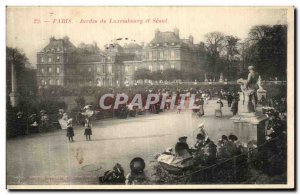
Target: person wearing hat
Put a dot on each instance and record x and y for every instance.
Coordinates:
(222, 148)
(229, 99)
(235, 105)
(234, 147)
(181, 146)
(201, 107)
(137, 175)
(70, 131)
(205, 152)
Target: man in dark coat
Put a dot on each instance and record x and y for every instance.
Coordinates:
(229, 99)
(235, 105)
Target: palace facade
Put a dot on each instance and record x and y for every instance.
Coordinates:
(61, 63)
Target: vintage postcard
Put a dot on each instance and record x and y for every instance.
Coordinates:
(150, 97)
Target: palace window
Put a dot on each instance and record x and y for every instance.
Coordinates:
(176, 54)
(89, 69)
(166, 52)
(150, 68)
(110, 82)
(49, 59)
(109, 69)
(135, 68)
(150, 55)
(50, 82)
(172, 66)
(57, 58)
(154, 54)
(57, 70)
(98, 69)
(42, 70)
(147, 55)
(126, 69)
(161, 68)
(49, 69)
(42, 59)
(161, 54)
(99, 82)
(57, 82)
(172, 53)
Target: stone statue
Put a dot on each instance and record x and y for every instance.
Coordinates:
(205, 79)
(249, 89)
(221, 78)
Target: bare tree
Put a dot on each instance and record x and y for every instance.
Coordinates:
(257, 33)
(214, 43)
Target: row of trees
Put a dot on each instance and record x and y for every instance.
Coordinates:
(265, 48)
(169, 75)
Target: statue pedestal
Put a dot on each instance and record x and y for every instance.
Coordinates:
(261, 92)
(250, 126)
(243, 103)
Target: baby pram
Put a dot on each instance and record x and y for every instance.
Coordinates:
(198, 111)
(175, 164)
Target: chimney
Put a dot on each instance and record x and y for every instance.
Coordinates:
(66, 38)
(176, 31)
(191, 39)
(52, 39)
(156, 32)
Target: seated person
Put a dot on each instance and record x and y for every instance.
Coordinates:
(181, 145)
(205, 153)
(223, 148)
(182, 157)
(137, 175)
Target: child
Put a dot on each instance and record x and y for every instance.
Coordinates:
(88, 130)
(70, 131)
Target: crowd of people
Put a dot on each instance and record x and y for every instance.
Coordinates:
(204, 153)
(227, 156)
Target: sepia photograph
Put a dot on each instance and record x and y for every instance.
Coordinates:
(163, 97)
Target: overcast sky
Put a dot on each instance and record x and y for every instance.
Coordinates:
(23, 33)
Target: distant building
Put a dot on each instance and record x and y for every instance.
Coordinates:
(61, 63)
(53, 61)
